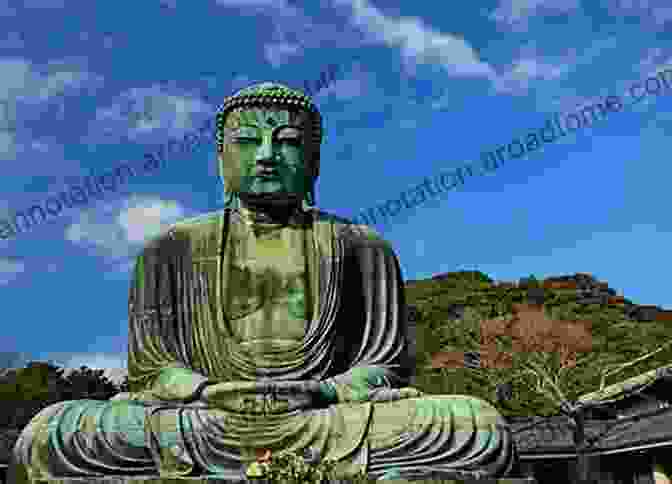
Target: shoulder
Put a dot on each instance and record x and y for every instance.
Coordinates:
(195, 225)
(358, 235)
(201, 227)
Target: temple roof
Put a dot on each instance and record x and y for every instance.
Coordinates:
(539, 437)
(642, 419)
(631, 386)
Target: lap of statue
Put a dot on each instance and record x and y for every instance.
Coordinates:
(453, 435)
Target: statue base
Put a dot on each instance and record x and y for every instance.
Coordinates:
(215, 480)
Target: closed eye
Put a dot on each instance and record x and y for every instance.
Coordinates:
(244, 140)
(291, 141)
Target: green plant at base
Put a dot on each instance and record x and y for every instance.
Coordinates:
(292, 468)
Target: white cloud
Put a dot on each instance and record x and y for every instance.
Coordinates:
(23, 82)
(22, 79)
(418, 42)
(10, 269)
(44, 3)
(14, 40)
(6, 214)
(656, 12)
(115, 365)
(141, 111)
(532, 71)
(168, 4)
(40, 145)
(16, 75)
(115, 229)
(146, 218)
(292, 31)
(96, 360)
(408, 123)
(122, 271)
(279, 53)
(6, 10)
(518, 79)
(517, 13)
(8, 145)
(346, 88)
(653, 61)
(254, 3)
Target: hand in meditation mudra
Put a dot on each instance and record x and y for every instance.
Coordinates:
(269, 325)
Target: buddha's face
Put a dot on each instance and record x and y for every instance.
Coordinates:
(264, 153)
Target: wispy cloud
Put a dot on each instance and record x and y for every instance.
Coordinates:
(524, 72)
(145, 218)
(44, 3)
(168, 4)
(96, 360)
(516, 14)
(541, 75)
(280, 4)
(10, 268)
(153, 110)
(417, 41)
(13, 40)
(652, 12)
(291, 28)
(114, 364)
(278, 53)
(24, 84)
(116, 230)
(6, 10)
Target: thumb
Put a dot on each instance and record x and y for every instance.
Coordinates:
(410, 392)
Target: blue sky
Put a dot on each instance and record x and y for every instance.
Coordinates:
(421, 88)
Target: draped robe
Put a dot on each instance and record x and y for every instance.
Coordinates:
(181, 338)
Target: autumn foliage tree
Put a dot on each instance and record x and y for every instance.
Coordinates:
(544, 357)
(527, 348)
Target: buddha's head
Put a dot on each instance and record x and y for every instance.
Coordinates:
(268, 146)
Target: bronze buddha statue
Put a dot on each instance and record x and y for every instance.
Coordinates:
(267, 325)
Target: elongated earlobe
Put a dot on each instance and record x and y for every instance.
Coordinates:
(310, 197)
(228, 200)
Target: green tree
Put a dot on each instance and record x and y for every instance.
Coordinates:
(26, 391)
(86, 383)
(124, 385)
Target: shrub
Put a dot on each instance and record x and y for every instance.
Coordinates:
(292, 467)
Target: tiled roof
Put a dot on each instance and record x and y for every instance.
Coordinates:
(7, 439)
(626, 387)
(553, 435)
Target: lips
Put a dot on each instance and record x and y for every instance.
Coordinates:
(268, 175)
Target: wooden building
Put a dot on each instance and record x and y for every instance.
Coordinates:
(628, 430)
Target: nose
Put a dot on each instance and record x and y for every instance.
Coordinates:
(265, 152)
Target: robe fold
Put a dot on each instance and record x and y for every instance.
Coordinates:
(181, 337)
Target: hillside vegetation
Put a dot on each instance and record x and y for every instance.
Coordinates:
(448, 308)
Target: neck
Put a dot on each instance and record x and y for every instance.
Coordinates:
(270, 208)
